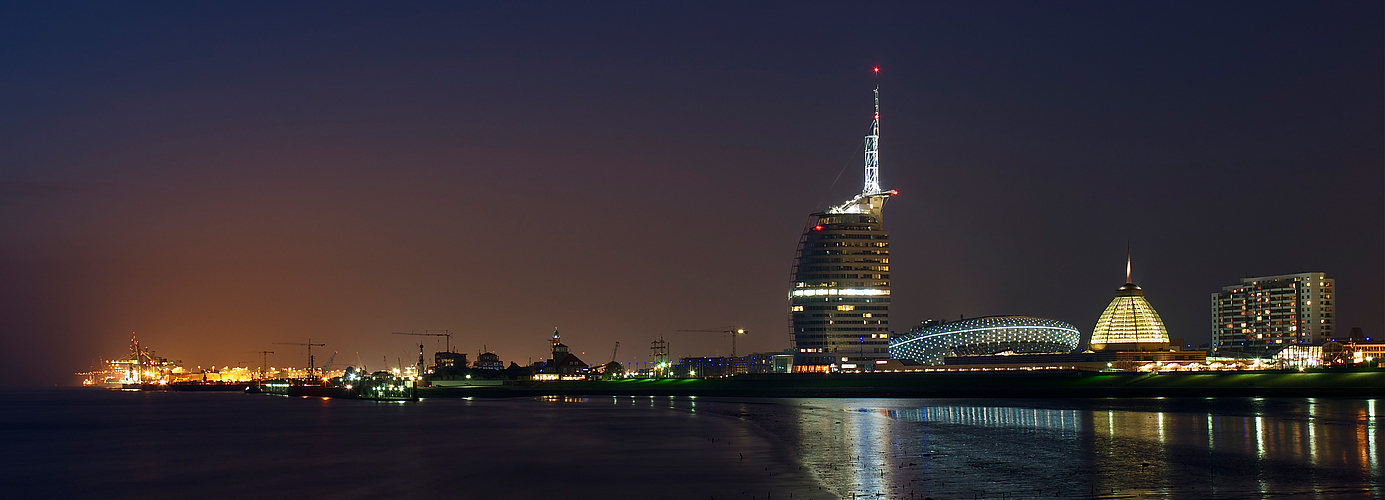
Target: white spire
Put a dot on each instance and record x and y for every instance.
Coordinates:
(1127, 263)
(872, 198)
(873, 149)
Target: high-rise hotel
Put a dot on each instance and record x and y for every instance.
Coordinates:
(840, 301)
(1262, 315)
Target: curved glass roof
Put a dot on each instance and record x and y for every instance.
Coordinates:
(985, 335)
(1129, 320)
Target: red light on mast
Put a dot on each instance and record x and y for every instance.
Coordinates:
(894, 192)
(877, 69)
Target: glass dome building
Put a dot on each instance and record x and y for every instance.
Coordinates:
(930, 343)
(1129, 323)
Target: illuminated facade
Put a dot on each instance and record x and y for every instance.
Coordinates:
(1129, 323)
(840, 299)
(1262, 315)
(933, 341)
(563, 363)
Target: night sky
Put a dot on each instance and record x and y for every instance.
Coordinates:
(219, 178)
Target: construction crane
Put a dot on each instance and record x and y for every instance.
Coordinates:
(310, 345)
(614, 351)
(732, 331)
(264, 368)
(425, 333)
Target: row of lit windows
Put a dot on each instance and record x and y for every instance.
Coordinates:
(852, 337)
(842, 268)
(842, 236)
(842, 277)
(833, 260)
(804, 300)
(831, 227)
(846, 219)
(843, 315)
(848, 307)
(845, 329)
(845, 268)
(852, 292)
(1282, 302)
(835, 244)
(1260, 324)
(857, 315)
(839, 284)
(797, 321)
(846, 252)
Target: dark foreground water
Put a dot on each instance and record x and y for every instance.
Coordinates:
(102, 444)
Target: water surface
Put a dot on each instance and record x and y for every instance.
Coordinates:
(92, 443)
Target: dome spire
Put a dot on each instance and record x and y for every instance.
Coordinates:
(1129, 323)
(1127, 263)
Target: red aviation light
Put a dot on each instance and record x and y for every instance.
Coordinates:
(877, 69)
(894, 192)
(817, 227)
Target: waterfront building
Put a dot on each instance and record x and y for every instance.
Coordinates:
(725, 366)
(1368, 354)
(1300, 356)
(489, 361)
(1262, 315)
(840, 298)
(447, 364)
(612, 370)
(1129, 323)
(932, 341)
(563, 365)
(1363, 350)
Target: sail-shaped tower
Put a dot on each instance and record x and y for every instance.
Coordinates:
(839, 303)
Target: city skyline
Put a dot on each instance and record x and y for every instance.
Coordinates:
(343, 177)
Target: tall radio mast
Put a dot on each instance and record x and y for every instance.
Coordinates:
(873, 147)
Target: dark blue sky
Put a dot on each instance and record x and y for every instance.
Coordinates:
(217, 178)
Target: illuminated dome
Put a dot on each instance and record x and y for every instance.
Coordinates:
(1129, 322)
(930, 343)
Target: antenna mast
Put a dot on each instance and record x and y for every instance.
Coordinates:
(873, 146)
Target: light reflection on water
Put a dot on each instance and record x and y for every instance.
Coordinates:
(1227, 448)
(876, 448)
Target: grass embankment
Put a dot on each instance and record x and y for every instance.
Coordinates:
(1368, 384)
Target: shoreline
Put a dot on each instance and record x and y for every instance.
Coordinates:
(1047, 384)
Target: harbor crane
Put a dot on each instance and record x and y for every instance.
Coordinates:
(310, 345)
(614, 351)
(264, 368)
(732, 331)
(445, 333)
(328, 365)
